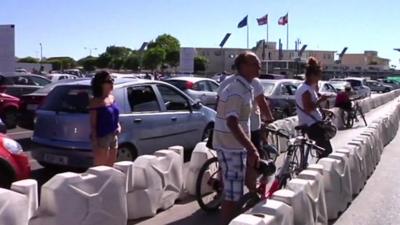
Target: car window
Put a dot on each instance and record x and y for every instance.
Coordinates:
(182, 85)
(268, 88)
(291, 89)
(142, 99)
(39, 81)
(355, 83)
(200, 86)
(213, 87)
(284, 90)
(20, 80)
(71, 99)
(331, 88)
(173, 100)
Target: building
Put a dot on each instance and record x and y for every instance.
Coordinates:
(7, 48)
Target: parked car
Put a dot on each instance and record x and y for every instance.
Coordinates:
(339, 85)
(14, 164)
(325, 88)
(392, 83)
(154, 115)
(200, 89)
(30, 103)
(281, 96)
(9, 106)
(75, 72)
(359, 85)
(18, 85)
(378, 86)
(54, 77)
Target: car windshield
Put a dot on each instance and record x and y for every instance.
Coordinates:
(180, 84)
(338, 85)
(268, 88)
(70, 98)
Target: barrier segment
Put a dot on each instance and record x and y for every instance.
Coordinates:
(250, 219)
(18, 205)
(199, 156)
(97, 196)
(357, 180)
(282, 213)
(337, 187)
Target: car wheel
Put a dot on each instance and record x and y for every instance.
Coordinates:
(207, 132)
(126, 153)
(10, 118)
(7, 175)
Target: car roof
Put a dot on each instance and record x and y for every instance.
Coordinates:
(279, 81)
(119, 82)
(355, 78)
(191, 79)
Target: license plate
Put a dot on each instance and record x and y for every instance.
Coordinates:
(56, 159)
(32, 107)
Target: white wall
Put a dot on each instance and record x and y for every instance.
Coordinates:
(7, 48)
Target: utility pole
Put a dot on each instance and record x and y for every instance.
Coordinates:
(90, 50)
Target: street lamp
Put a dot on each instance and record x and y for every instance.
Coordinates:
(41, 52)
(90, 50)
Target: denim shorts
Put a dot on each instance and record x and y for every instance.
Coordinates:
(233, 166)
(110, 141)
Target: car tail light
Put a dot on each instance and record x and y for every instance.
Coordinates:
(189, 85)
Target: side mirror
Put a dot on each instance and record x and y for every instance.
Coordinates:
(197, 105)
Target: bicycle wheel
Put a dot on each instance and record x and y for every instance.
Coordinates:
(209, 186)
(362, 116)
(292, 170)
(248, 201)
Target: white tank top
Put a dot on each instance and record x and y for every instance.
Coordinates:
(305, 119)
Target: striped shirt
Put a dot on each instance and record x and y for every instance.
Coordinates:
(235, 100)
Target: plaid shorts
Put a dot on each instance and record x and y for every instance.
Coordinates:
(233, 165)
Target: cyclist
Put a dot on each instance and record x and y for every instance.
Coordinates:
(231, 137)
(307, 103)
(343, 100)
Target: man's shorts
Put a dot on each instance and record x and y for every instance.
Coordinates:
(109, 141)
(233, 165)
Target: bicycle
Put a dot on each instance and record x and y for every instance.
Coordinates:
(350, 116)
(295, 161)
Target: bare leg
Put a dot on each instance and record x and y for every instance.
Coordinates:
(112, 157)
(100, 157)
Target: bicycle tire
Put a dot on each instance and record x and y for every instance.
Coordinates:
(248, 201)
(214, 206)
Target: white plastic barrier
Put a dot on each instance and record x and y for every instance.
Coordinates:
(337, 185)
(365, 155)
(367, 141)
(199, 156)
(374, 146)
(318, 195)
(95, 197)
(251, 219)
(357, 176)
(282, 213)
(18, 204)
(297, 196)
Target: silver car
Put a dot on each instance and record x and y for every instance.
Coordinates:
(154, 115)
(201, 89)
(325, 88)
(378, 86)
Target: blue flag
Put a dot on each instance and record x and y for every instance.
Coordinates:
(243, 22)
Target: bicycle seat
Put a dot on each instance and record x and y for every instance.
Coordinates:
(302, 128)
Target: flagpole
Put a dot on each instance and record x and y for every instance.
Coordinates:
(266, 56)
(287, 34)
(247, 33)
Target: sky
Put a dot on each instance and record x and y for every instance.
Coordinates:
(66, 27)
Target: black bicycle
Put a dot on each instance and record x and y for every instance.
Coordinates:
(351, 116)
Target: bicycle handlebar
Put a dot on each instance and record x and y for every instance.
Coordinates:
(277, 132)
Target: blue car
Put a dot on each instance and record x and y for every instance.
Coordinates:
(153, 115)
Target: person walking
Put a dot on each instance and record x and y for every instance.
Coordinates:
(231, 138)
(307, 106)
(104, 120)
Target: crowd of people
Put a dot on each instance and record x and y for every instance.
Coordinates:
(241, 109)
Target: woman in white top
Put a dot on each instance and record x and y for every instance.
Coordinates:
(307, 102)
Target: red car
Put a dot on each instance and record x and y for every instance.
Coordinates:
(14, 163)
(9, 106)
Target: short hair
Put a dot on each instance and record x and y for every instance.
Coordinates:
(313, 67)
(242, 58)
(99, 79)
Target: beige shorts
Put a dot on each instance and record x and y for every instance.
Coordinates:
(109, 141)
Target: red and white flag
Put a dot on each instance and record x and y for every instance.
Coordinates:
(284, 20)
(263, 20)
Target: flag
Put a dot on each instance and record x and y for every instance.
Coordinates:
(284, 20)
(243, 22)
(263, 20)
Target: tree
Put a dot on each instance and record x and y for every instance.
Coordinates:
(132, 62)
(63, 61)
(55, 64)
(200, 63)
(88, 63)
(118, 51)
(153, 58)
(171, 47)
(28, 60)
(104, 60)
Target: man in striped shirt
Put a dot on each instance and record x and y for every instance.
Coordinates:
(231, 137)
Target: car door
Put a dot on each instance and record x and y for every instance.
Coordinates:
(185, 125)
(143, 122)
(212, 93)
(202, 92)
